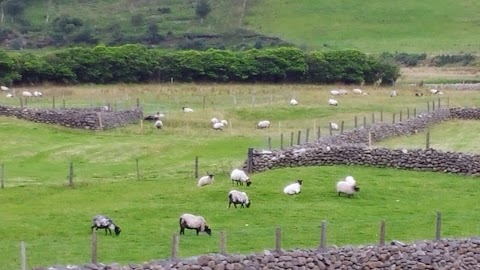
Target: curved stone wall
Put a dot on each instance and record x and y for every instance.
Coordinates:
(92, 119)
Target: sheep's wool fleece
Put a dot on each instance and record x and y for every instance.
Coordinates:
(205, 180)
(239, 175)
(193, 221)
(345, 187)
(101, 221)
(292, 189)
(239, 196)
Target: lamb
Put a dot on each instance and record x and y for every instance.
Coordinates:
(293, 102)
(27, 94)
(240, 177)
(186, 109)
(198, 223)
(263, 124)
(104, 222)
(159, 124)
(294, 188)
(334, 126)
(357, 91)
(238, 197)
(332, 102)
(347, 187)
(218, 126)
(205, 180)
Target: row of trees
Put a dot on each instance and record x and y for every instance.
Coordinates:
(137, 64)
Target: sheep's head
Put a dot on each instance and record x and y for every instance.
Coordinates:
(356, 188)
(300, 181)
(248, 182)
(117, 230)
(248, 204)
(208, 230)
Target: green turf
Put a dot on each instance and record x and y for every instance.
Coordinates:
(53, 219)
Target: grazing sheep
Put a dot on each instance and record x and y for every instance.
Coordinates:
(440, 93)
(214, 121)
(335, 92)
(104, 222)
(218, 126)
(9, 95)
(159, 124)
(224, 122)
(347, 188)
(238, 197)
(357, 91)
(434, 91)
(293, 102)
(27, 94)
(37, 94)
(193, 222)
(155, 117)
(342, 92)
(334, 126)
(205, 180)
(332, 102)
(393, 93)
(240, 177)
(294, 188)
(263, 124)
(186, 109)
(4, 88)
(418, 94)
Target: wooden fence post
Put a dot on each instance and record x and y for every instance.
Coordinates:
(196, 167)
(408, 113)
(433, 105)
(427, 140)
(203, 106)
(323, 235)
(23, 256)
(26, 101)
(342, 126)
(94, 247)
(330, 128)
(401, 116)
(393, 118)
(138, 103)
(355, 121)
(414, 112)
(100, 123)
(369, 138)
(448, 102)
(223, 242)
(281, 141)
(269, 143)
(439, 105)
(174, 250)
(364, 121)
(381, 115)
(382, 233)
(70, 175)
(299, 136)
(64, 103)
(278, 240)
(138, 169)
(428, 106)
(21, 102)
(307, 135)
(250, 160)
(291, 138)
(53, 102)
(438, 227)
(2, 179)
(318, 133)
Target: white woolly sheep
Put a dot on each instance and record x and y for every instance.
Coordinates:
(394, 93)
(334, 126)
(293, 102)
(159, 124)
(213, 121)
(335, 92)
(294, 188)
(332, 102)
(26, 94)
(263, 124)
(9, 95)
(218, 126)
(240, 177)
(4, 88)
(205, 180)
(350, 179)
(238, 197)
(224, 122)
(357, 91)
(37, 94)
(342, 92)
(193, 222)
(186, 109)
(104, 222)
(346, 188)
(155, 117)
(434, 91)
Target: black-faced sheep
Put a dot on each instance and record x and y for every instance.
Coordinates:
(238, 197)
(103, 222)
(205, 180)
(193, 222)
(240, 177)
(293, 188)
(347, 186)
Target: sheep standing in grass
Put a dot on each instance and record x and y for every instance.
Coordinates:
(357, 91)
(193, 222)
(293, 102)
(224, 122)
(238, 197)
(347, 186)
(294, 188)
(159, 124)
(332, 102)
(218, 126)
(9, 95)
(213, 121)
(205, 180)
(27, 94)
(103, 222)
(334, 126)
(263, 124)
(37, 94)
(240, 177)
(4, 88)
(335, 92)
(394, 93)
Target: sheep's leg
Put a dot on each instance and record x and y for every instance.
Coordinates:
(198, 231)
(234, 204)
(182, 231)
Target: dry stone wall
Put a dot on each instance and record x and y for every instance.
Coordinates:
(443, 254)
(91, 119)
(352, 148)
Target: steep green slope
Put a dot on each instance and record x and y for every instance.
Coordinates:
(372, 26)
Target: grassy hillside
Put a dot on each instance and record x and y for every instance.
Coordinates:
(54, 219)
(432, 26)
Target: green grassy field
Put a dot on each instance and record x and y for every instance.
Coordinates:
(445, 26)
(53, 219)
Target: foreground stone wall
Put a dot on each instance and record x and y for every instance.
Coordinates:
(352, 148)
(443, 254)
(92, 119)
